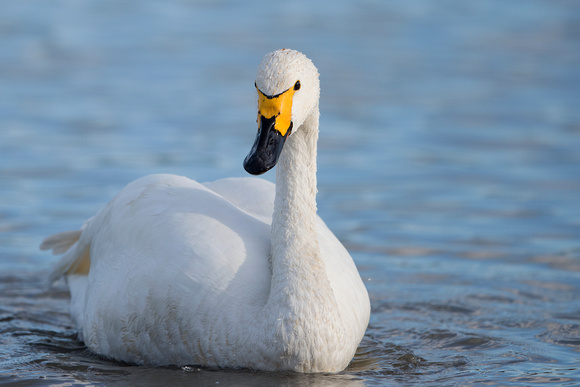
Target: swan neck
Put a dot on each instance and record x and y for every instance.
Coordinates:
(294, 235)
(301, 297)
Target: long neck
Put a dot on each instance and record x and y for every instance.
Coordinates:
(294, 218)
(294, 237)
(299, 280)
(300, 324)
(301, 306)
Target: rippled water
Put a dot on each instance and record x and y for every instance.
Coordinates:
(449, 165)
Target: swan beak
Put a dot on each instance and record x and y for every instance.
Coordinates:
(274, 126)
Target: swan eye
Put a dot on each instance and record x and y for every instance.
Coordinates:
(297, 85)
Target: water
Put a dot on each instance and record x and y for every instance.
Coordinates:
(448, 165)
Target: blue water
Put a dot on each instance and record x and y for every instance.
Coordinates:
(449, 165)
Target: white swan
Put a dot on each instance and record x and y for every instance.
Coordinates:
(233, 273)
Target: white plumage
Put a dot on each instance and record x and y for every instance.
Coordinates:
(238, 272)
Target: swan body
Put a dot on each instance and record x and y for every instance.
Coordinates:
(238, 272)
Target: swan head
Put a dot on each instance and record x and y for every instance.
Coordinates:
(288, 91)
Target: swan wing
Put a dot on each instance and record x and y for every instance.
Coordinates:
(167, 254)
(347, 285)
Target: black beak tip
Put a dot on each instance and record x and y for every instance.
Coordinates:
(254, 166)
(266, 149)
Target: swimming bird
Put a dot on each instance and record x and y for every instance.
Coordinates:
(238, 272)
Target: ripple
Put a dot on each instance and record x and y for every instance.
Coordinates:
(562, 334)
(448, 166)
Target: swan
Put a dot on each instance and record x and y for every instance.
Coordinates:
(236, 273)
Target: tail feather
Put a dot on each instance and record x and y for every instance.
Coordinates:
(76, 258)
(61, 242)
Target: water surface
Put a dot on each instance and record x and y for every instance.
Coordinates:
(448, 166)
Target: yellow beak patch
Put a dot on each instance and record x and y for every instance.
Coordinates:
(279, 107)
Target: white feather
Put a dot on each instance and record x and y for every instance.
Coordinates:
(232, 273)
